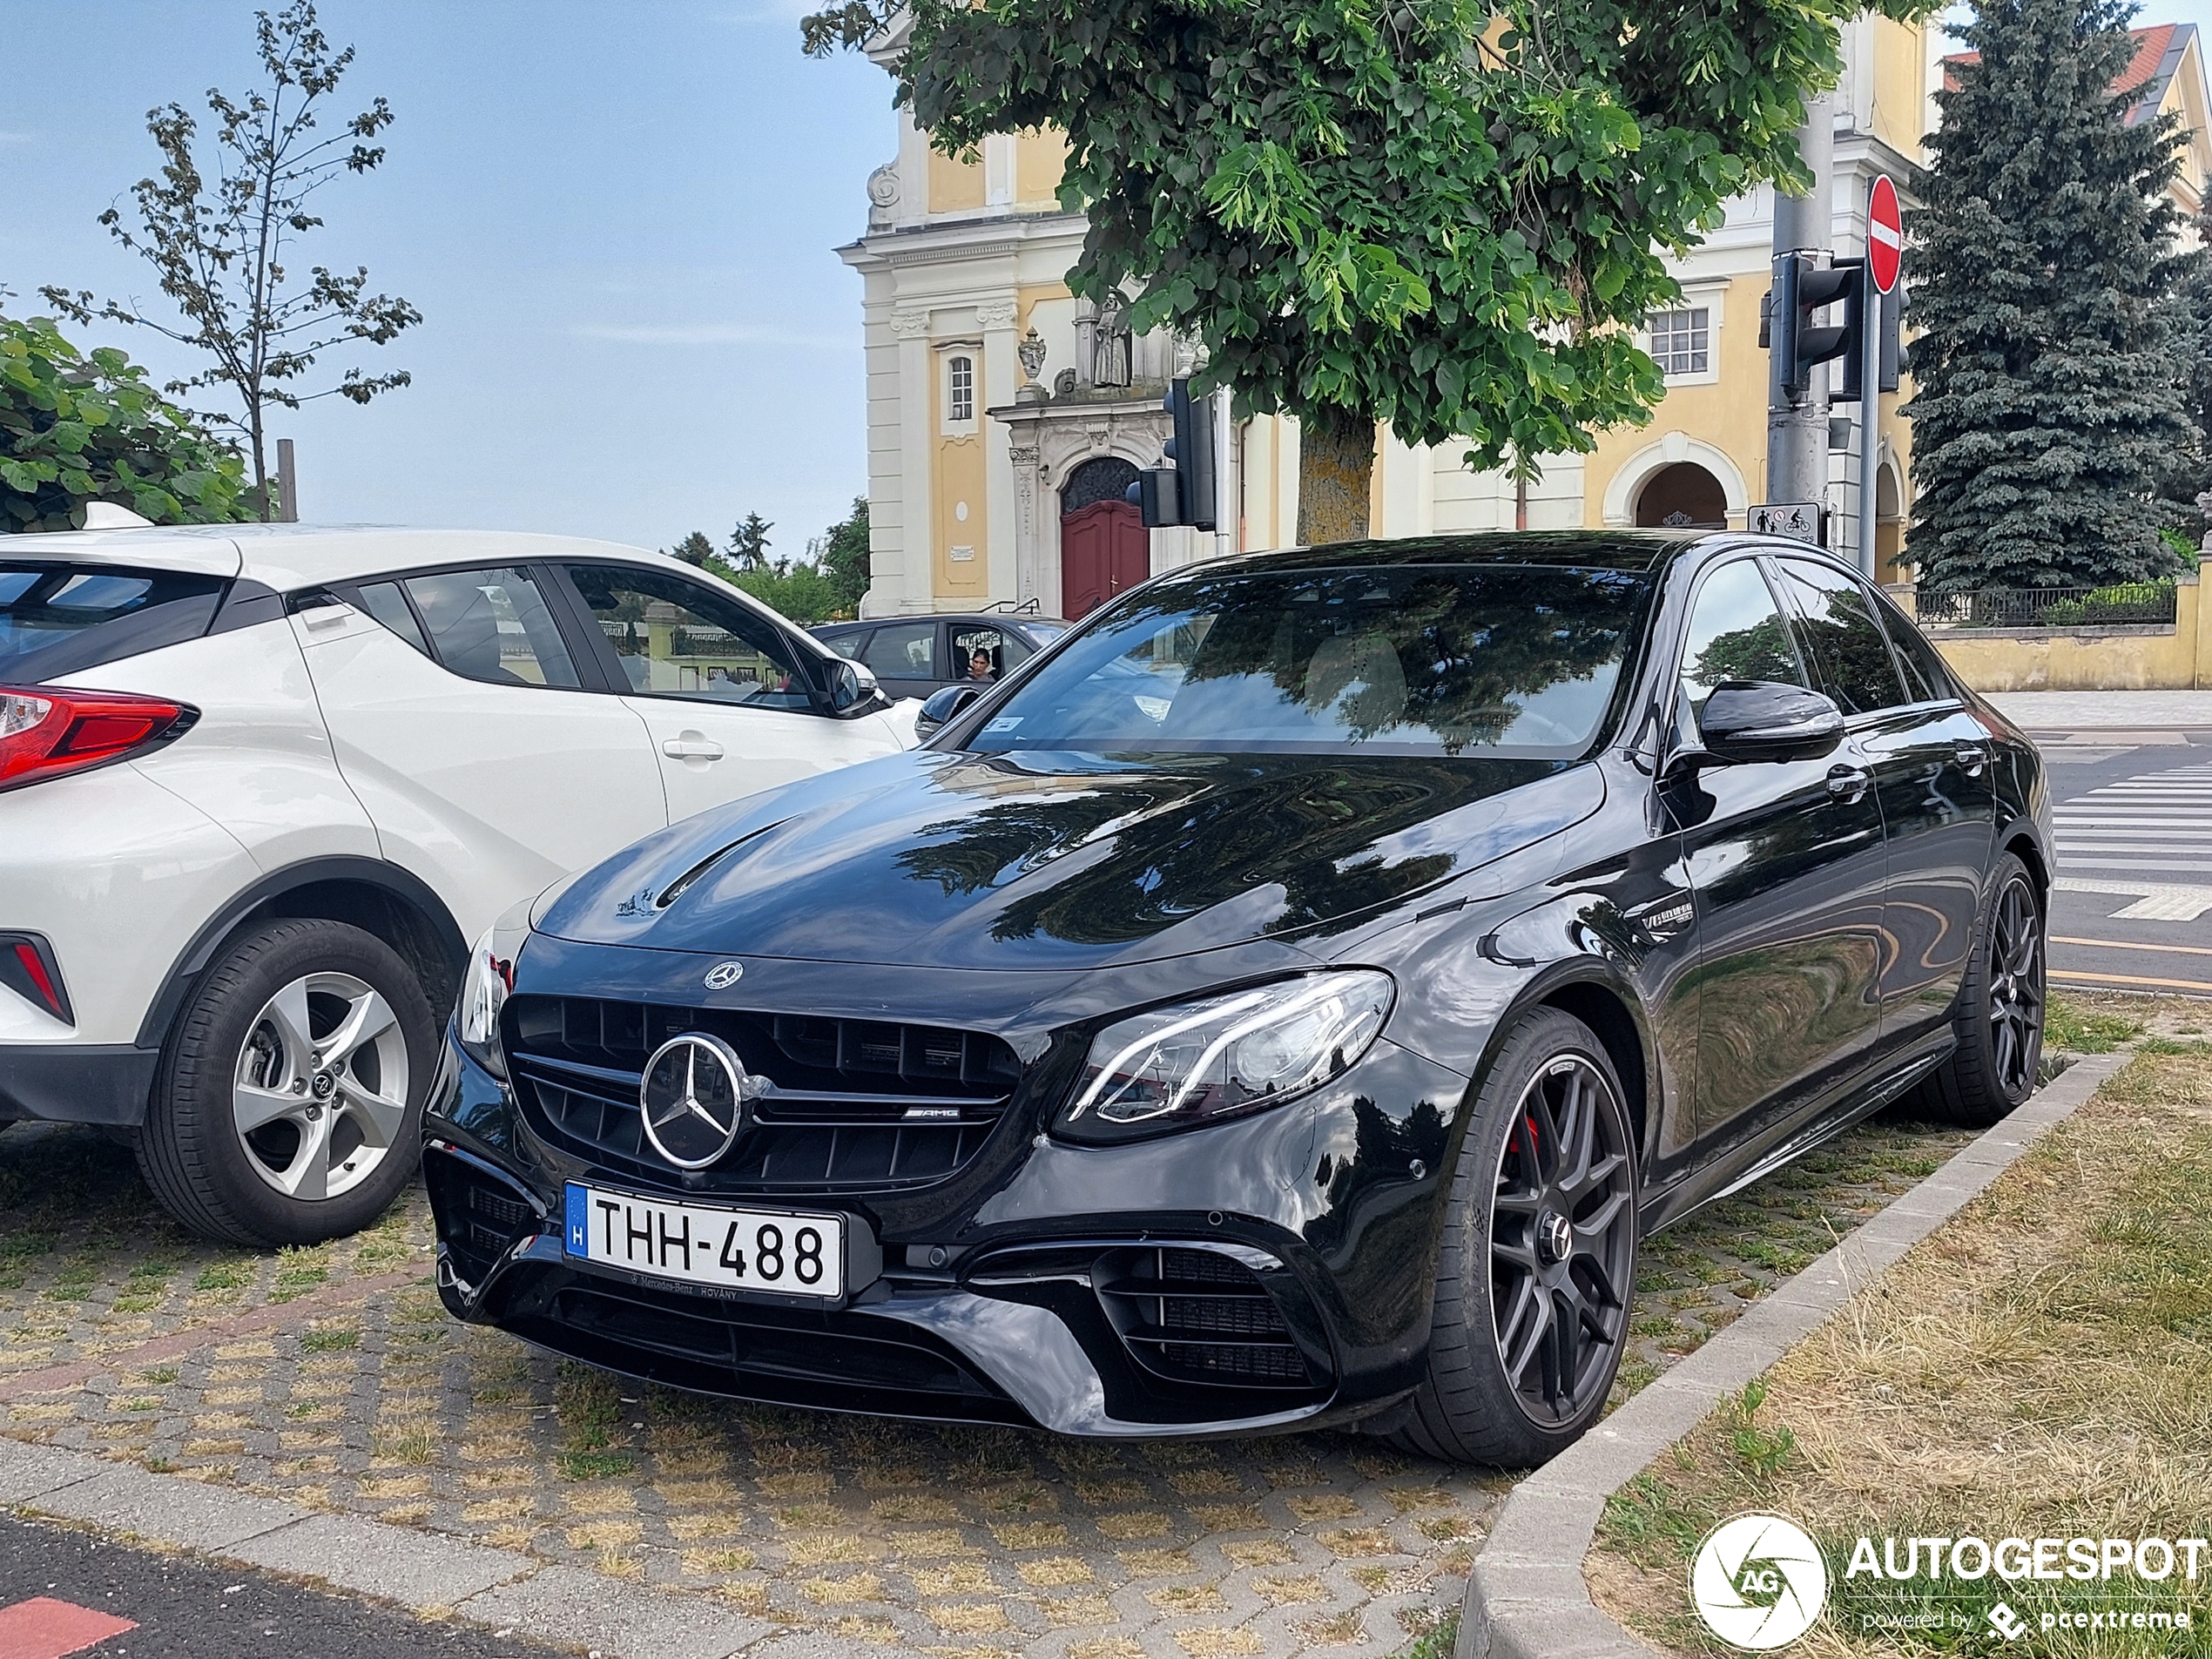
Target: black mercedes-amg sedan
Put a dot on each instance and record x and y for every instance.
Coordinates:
(1288, 1000)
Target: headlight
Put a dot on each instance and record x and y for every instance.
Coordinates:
(483, 993)
(1197, 1062)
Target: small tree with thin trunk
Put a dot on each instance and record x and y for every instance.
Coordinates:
(218, 236)
(1448, 215)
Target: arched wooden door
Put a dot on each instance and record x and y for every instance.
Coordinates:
(1103, 544)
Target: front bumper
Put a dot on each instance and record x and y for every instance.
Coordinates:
(1268, 1273)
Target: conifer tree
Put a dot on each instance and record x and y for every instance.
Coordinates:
(2045, 277)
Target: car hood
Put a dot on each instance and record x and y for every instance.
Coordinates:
(1035, 860)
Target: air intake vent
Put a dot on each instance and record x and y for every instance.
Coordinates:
(1199, 1316)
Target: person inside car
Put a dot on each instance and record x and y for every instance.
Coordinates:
(979, 665)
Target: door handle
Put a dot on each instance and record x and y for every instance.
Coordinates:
(1972, 757)
(691, 746)
(1848, 783)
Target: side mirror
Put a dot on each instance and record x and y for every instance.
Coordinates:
(944, 706)
(1756, 720)
(850, 685)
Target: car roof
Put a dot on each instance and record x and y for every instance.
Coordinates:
(957, 618)
(291, 556)
(1626, 550)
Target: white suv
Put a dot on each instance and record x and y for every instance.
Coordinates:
(261, 786)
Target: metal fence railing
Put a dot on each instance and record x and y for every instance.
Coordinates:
(2124, 602)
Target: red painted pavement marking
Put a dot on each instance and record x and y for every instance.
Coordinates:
(45, 1628)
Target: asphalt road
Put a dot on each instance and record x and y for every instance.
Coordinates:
(61, 1590)
(2132, 909)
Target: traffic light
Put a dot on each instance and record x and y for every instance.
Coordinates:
(1786, 325)
(1181, 491)
(1886, 320)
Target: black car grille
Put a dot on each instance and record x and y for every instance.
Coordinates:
(857, 1104)
(1198, 1316)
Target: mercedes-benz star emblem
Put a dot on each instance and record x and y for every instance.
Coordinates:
(693, 1097)
(722, 976)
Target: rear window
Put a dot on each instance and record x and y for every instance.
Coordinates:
(57, 618)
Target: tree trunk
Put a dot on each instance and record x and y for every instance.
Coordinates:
(1336, 470)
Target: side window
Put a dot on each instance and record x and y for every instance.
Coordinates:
(1735, 633)
(850, 645)
(1850, 654)
(492, 624)
(1925, 678)
(384, 601)
(676, 638)
(906, 650)
(984, 653)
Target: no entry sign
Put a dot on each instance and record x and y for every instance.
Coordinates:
(1884, 233)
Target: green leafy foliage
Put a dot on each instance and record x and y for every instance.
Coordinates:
(2047, 285)
(842, 550)
(1443, 213)
(77, 427)
(825, 586)
(694, 548)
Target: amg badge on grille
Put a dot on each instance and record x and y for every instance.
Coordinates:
(693, 1097)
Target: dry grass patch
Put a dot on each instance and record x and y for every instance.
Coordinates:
(2034, 1369)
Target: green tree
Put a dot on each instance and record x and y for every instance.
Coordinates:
(2044, 269)
(219, 244)
(749, 543)
(1445, 213)
(2187, 472)
(694, 548)
(77, 429)
(842, 553)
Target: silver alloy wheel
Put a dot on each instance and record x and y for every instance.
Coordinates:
(320, 1091)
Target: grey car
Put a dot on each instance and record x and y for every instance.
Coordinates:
(915, 656)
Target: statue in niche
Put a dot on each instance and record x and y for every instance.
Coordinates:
(1111, 343)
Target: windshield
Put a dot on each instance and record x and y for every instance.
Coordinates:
(1512, 660)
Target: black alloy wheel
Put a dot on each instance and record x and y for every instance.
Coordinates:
(1536, 1261)
(1562, 1242)
(1998, 1016)
(2016, 988)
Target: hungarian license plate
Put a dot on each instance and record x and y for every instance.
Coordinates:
(694, 1244)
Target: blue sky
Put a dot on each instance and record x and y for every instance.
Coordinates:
(617, 222)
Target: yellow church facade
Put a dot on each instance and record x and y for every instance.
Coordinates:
(1005, 418)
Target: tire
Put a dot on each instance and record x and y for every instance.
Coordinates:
(257, 1133)
(2000, 1013)
(1501, 1264)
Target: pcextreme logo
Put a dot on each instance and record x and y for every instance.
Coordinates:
(1758, 1581)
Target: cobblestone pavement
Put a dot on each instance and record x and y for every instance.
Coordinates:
(332, 1378)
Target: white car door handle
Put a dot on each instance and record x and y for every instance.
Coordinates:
(691, 746)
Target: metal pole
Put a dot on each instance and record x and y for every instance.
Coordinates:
(1228, 491)
(288, 484)
(1870, 396)
(1797, 428)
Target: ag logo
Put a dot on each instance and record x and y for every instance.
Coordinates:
(1758, 1581)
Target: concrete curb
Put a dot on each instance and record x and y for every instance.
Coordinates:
(421, 1571)
(1525, 1597)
